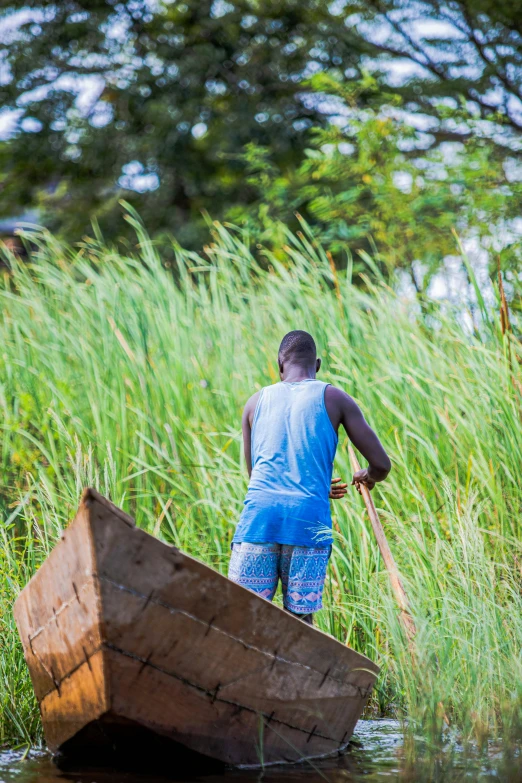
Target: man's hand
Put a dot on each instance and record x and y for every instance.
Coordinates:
(362, 477)
(337, 490)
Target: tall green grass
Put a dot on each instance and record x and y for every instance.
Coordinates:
(118, 372)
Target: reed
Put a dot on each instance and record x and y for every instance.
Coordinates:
(121, 373)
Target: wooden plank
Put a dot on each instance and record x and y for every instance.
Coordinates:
(81, 698)
(226, 666)
(57, 612)
(190, 716)
(67, 640)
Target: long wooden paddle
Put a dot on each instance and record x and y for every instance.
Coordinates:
(389, 562)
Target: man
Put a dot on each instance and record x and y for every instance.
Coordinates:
(290, 438)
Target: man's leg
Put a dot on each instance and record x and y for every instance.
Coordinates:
(255, 566)
(303, 571)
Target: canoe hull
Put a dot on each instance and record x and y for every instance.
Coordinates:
(121, 631)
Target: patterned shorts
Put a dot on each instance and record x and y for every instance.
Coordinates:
(302, 571)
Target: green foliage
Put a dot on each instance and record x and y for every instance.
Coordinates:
(366, 189)
(120, 373)
(179, 88)
(463, 54)
(206, 106)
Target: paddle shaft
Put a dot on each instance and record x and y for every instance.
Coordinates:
(389, 561)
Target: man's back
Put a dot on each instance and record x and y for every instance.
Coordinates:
(293, 447)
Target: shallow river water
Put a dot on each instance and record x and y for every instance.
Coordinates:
(378, 755)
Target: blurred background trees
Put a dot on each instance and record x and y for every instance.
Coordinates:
(385, 124)
(172, 92)
(367, 187)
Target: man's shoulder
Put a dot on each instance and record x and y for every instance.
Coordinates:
(339, 398)
(336, 394)
(252, 401)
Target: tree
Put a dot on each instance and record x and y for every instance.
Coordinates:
(165, 103)
(152, 102)
(462, 55)
(365, 189)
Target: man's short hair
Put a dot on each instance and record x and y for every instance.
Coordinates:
(298, 347)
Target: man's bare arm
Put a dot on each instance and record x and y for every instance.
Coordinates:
(365, 440)
(342, 409)
(246, 426)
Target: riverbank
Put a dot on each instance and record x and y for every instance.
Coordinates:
(122, 374)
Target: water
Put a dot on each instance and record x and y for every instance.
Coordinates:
(378, 755)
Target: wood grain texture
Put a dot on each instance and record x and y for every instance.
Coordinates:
(57, 613)
(180, 650)
(82, 697)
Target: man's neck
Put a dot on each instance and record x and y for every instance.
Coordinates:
(295, 373)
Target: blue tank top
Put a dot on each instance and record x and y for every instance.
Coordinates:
(293, 449)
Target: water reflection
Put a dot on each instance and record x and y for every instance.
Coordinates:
(377, 756)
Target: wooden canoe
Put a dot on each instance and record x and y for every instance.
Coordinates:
(127, 638)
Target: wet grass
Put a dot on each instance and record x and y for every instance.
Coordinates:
(120, 373)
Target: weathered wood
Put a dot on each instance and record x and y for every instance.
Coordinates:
(389, 561)
(57, 613)
(82, 697)
(120, 629)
